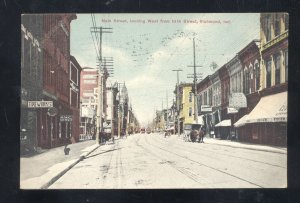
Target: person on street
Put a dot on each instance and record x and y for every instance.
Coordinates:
(201, 135)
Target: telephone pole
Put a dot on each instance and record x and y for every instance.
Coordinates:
(97, 33)
(177, 100)
(195, 84)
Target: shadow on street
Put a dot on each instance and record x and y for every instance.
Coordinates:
(103, 152)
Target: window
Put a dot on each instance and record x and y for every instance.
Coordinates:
(74, 73)
(277, 25)
(268, 27)
(210, 96)
(286, 64)
(277, 68)
(268, 76)
(251, 79)
(190, 97)
(89, 82)
(286, 21)
(190, 112)
(205, 98)
(246, 81)
(257, 76)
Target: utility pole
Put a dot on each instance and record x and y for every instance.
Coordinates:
(195, 84)
(119, 110)
(97, 32)
(177, 100)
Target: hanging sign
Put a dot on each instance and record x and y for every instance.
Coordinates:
(65, 118)
(237, 100)
(231, 110)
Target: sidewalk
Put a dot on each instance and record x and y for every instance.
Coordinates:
(41, 170)
(236, 144)
(250, 146)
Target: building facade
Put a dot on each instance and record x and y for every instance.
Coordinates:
(186, 107)
(88, 102)
(46, 61)
(266, 122)
(75, 70)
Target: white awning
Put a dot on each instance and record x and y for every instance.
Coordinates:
(224, 123)
(272, 108)
(200, 120)
(241, 121)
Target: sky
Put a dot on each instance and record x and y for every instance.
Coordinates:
(147, 47)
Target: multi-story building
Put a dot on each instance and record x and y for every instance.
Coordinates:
(46, 58)
(31, 79)
(186, 107)
(75, 70)
(266, 121)
(88, 102)
(205, 102)
(111, 112)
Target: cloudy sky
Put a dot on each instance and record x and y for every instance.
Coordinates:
(147, 47)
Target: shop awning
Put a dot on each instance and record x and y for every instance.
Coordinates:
(272, 108)
(224, 123)
(241, 121)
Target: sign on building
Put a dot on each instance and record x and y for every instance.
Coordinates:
(231, 110)
(40, 104)
(206, 108)
(65, 118)
(237, 100)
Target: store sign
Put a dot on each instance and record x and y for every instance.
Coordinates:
(40, 104)
(206, 108)
(237, 100)
(65, 118)
(231, 110)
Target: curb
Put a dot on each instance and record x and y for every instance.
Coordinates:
(60, 174)
(251, 148)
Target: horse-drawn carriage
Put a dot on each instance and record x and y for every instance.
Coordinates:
(193, 132)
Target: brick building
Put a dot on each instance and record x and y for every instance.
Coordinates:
(45, 61)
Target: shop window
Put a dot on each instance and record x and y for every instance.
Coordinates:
(277, 68)
(268, 76)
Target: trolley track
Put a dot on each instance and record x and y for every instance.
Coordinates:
(194, 161)
(196, 150)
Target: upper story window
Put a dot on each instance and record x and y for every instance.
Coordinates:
(286, 21)
(277, 68)
(257, 76)
(286, 53)
(205, 98)
(190, 112)
(268, 63)
(190, 97)
(74, 74)
(267, 27)
(277, 25)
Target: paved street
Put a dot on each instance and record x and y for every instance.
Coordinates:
(152, 161)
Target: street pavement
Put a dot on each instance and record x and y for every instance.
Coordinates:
(153, 161)
(36, 171)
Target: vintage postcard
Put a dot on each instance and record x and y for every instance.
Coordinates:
(142, 101)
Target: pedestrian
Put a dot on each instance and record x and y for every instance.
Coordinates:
(201, 135)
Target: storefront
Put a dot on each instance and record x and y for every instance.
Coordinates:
(267, 122)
